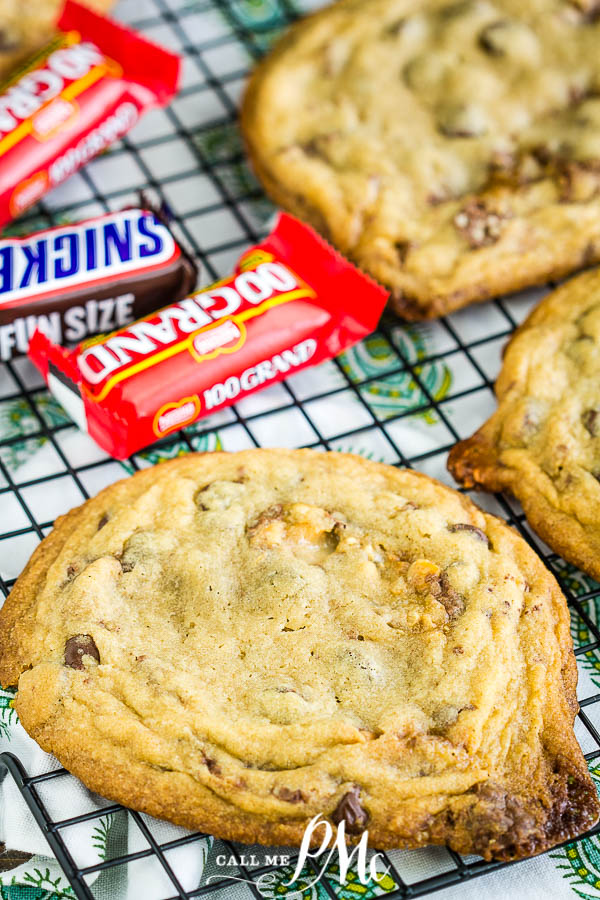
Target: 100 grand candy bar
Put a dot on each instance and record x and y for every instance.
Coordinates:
(292, 302)
(87, 89)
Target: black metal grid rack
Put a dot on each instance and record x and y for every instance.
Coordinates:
(212, 83)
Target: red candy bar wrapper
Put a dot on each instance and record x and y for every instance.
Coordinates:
(82, 92)
(292, 302)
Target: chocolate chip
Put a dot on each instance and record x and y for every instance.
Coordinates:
(290, 796)
(8, 41)
(103, 521)
(578, 181)
(350, 811)
(402, 248)
(435, 199)
(502, 161)
(497, 818)
(451, 600)
(591, 421)
(543, 154)
(211, 764)
(267, 515)
(454, 10)
(589, 255)
(589, 9)
(394, 28)
(577, 93)
(476, 532)
(493, 37)
(199, 504)
(77, 647)
(478, 224)
(462, 120)
(444, 593)
(71, 573)
(317, 147)
(126, 565)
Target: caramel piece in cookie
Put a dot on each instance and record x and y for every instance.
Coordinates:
(451, 148)
(543, 442)
(241, 642)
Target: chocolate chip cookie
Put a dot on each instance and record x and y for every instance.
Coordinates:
(25, 25)
(543, 442)
(450, 147)
(240, 642)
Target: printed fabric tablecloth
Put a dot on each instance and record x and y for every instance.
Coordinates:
(404, 394)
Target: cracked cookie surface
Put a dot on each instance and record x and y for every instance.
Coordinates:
(451, 148)
(26, 25)
(543, 442)
(239, 642)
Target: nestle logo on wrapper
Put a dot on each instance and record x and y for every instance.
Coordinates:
(174, 415)
(104, 248)
(224, 334)
(177, 417)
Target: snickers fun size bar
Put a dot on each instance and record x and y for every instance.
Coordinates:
(292, 302)
(95, 276)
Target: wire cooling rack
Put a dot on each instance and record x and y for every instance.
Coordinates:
(405, 396)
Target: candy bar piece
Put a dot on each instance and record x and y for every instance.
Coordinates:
(292, 302)
(94, 276)
(84, 91)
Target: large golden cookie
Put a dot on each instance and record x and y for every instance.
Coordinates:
(238, 642)
(25, 25)
(450, 147)
(543, 442)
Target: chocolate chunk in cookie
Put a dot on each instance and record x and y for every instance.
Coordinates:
(471, 529)
(77, 647)
(591, 421)
(351, 811)
(478, 224)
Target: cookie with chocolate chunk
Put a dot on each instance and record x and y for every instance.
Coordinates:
(451, 148)
(543, 442)
(241, 642)
(26, 25)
